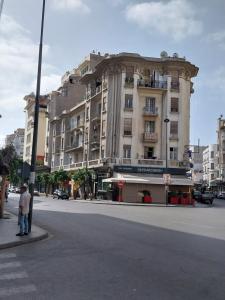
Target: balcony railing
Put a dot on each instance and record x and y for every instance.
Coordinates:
(174, 136)
(157, 84)
(147, 111)
(150, 137)
(153, 162)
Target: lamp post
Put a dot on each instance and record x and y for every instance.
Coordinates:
(166, 121)
(36, 116)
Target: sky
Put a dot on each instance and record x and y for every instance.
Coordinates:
(74, 28)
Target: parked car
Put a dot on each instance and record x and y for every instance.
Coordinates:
(36, 193)
(221, 195)
(197, 195)
(60, 194)
(17, 190)
(207, 197)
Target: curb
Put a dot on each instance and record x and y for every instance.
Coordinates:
(24, 241)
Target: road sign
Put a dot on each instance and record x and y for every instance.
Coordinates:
(121, 184)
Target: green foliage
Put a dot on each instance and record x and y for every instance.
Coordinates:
(81, 176)
(7, 155)
(14, 176)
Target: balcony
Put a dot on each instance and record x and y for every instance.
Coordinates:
(74, 146)
(151, 162)
(150, 112)
(96, 118)
(157, 84)
(151, 137)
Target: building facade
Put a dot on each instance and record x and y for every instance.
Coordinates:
(210, 166)
(221, 153)
(132, 124)
(196, 161)
(17, 140)
(29, 125)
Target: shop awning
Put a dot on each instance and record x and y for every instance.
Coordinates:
(129, 178)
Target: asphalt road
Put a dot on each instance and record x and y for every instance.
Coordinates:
(111, 252)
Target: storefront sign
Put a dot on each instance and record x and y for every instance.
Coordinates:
(148, 170)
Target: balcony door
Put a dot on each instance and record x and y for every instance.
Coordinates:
(150, 104)
(150, 126)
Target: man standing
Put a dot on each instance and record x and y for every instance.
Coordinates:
(24, 203)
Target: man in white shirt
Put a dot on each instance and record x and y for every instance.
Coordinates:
(24, 204)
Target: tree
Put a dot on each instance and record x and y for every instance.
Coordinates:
(82, 178)
(7, 155)
(13, 176)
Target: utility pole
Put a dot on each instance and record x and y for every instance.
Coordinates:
(36, 116)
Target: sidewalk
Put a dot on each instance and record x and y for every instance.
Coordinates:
(110, 202)
(9, 228)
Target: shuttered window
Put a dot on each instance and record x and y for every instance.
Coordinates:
(128, 126)
(174, 128)
(174, 104)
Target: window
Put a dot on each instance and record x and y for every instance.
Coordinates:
(99, 106)
(127, 126)
(212, 176)
(63, 126)
(174, 104)
(87, 113)
(150, 103)
(212, 154)
(174, 128)
(61, 162)
(126, 151)
(54, 130)
(64, 92)
(103, 127)
(53, 146)
(78, 121)
(28, 138)
(128, 101)
(148, 152)
(52, 164)
(173, 153)
(62, 143)
(150, 126)
(71, 160)
(46, 156)
(212, 166)
(102, 152)
(104, 104)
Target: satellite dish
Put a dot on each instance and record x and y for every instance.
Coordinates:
(163, 54)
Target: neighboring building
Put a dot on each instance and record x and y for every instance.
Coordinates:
(29, 124)
(221, 153)
(196, 161)
(119, 129)
(210, 166)
(17, 140)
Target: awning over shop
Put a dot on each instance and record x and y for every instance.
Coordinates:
(129, 178)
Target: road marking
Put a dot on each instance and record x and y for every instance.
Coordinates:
(14, 264)
(192, 224)
(4, 292)
(7, 255)
(10, 276)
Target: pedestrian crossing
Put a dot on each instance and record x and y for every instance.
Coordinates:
(14, 280)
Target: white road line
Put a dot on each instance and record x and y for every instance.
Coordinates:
(7, 255)
(4, 292)
(14, 264)
(10, 276)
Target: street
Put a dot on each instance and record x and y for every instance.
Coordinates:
(118, 252)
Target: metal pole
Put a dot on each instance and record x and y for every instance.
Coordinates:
(1, 8)
(36, 115)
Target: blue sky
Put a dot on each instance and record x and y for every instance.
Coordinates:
(73, 28)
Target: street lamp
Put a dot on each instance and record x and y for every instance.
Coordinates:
(166, 121)
(36, 116)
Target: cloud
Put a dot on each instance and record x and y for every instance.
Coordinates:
(218, 38)
(68, 5)
(18, 65)
(175, 18)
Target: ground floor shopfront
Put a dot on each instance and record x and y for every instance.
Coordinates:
(147, 187)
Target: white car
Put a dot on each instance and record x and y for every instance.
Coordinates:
(221, 195)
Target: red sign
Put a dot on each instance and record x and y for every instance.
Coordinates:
(121, 184)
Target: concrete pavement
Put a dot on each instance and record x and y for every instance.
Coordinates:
(9, 228)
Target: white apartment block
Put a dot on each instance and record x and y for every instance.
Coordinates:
(17, 140)
(29, 125)
(119, 126)
(210, 165)
(196, 160)
(221, 151)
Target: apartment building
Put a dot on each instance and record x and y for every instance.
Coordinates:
(17, 140)
(210, 165)
(29, 125)
(221, 153)
(132, 125)
(196, 160)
